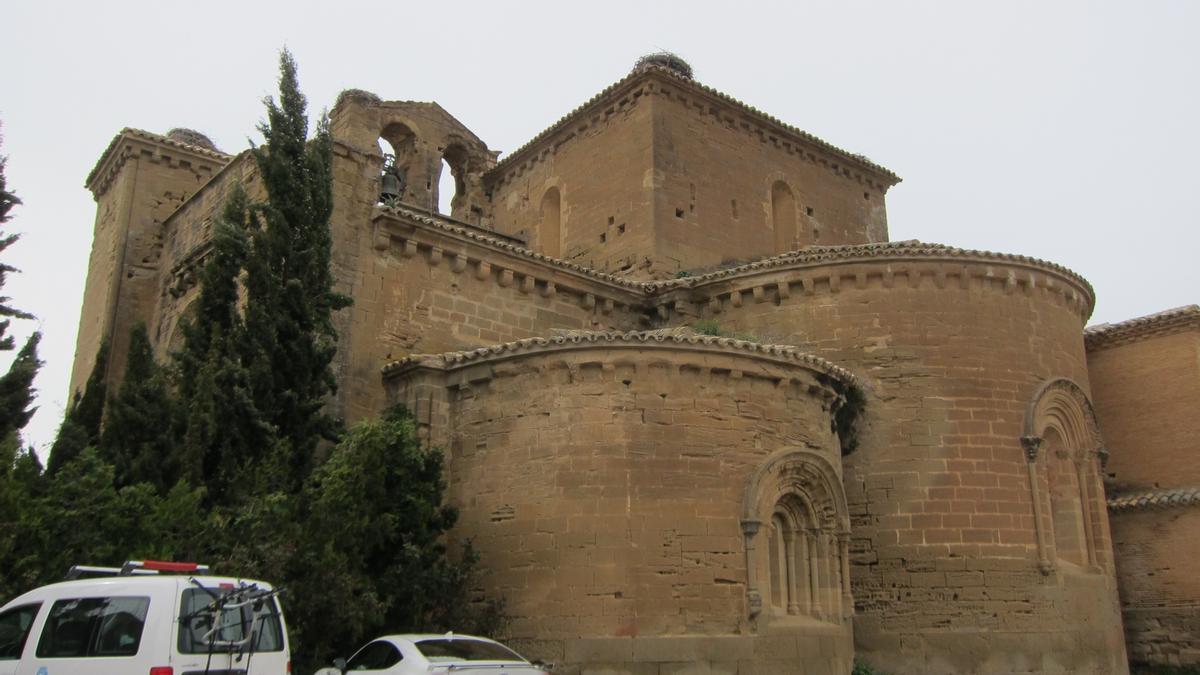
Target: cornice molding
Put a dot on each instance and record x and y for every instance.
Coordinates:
(768, 279)
(891, 264)
(1161, 324)
(393, 223)
(911, 249)
(129, 142)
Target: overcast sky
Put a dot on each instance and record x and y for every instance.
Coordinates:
(1061, 130)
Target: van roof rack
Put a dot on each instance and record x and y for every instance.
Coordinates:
(136, 568)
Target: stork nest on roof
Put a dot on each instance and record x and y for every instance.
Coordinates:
(664, 59)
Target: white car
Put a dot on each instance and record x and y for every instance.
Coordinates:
(435, 655)
(135, 621)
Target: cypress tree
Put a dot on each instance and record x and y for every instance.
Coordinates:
(16, 389)
(139, 434)
(224, 433)
(16, 386)
(289, 339)
(7, 201)
(80, 427)
(254, 372)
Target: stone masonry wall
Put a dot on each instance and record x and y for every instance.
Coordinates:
(1146, 392)
(946, 574)
(424, 286)
(1156, 551)
(187, 234)
(138, 183)
(658, 174)
(716, 170)
(603, 171)
(422, 283)
(100, 290)
(604, 488)
(1146, 378)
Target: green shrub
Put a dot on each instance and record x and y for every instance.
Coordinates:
(861, 668)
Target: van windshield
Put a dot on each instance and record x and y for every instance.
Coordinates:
(221, 619)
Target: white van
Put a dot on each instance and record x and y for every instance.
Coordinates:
(136, 621)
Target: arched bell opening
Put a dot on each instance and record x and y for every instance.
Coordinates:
(451, 191)
(398, 145)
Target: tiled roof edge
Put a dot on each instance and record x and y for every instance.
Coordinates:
(659, 338)
(685, 81)
(810, 255)
(1155, 499)
(497, 240)
(1143, 327)
(853, 252)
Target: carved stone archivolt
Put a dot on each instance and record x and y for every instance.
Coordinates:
(796, 529)
(1061, 411)
(1064, 406)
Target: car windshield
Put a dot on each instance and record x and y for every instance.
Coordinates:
(216, 619)
(459, 649)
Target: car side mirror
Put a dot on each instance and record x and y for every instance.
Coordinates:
(340, 664)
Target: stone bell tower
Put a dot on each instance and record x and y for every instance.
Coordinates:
(139, 181)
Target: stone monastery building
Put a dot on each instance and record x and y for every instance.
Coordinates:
(700, 414)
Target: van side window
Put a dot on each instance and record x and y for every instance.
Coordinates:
(14, 630)
(85, 627)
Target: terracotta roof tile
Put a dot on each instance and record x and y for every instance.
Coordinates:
(1155, 499)
(1161, 323)
(896, 249)
(656, 338)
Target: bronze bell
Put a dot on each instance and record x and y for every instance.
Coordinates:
(390, 188)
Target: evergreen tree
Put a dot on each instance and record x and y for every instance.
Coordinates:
(20, 471)
(80, 427)
(220, 466)
(82, 517)
(16, 389)
(255, 372)
(374, 556)
(290, 341)
(16, 386)
(7, 201)
(225, 435)
(13, 500)
(139, 435)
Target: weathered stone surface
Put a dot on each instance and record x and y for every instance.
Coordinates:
(1146, 375)
(652, 501)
